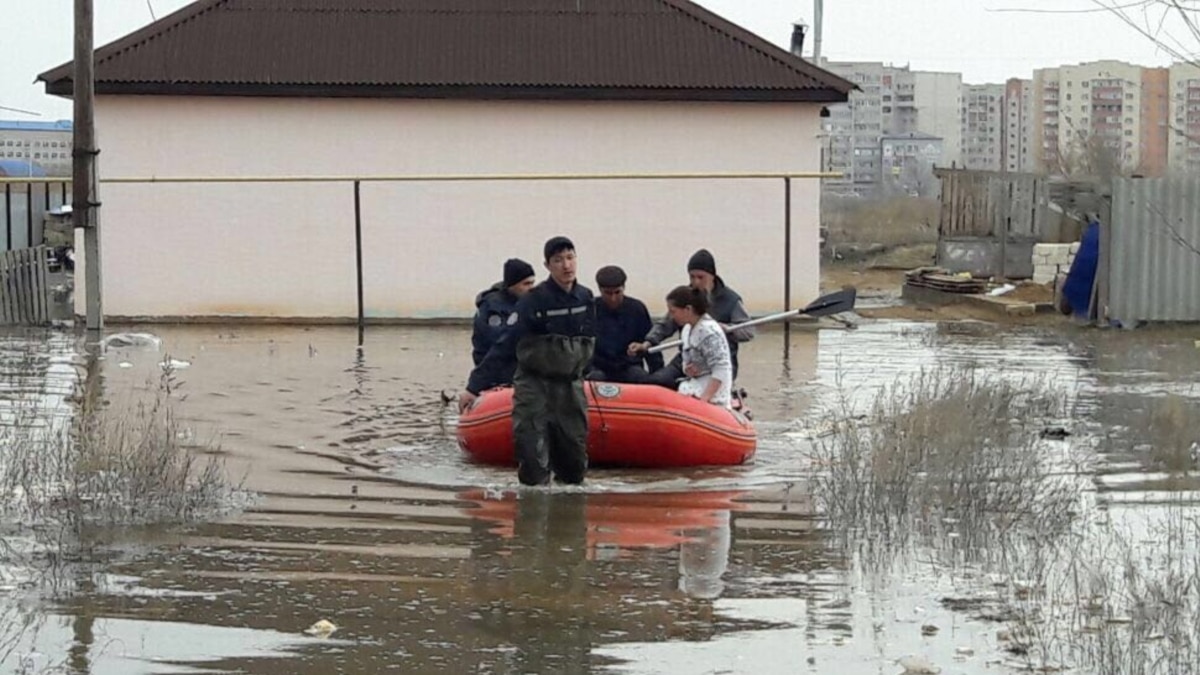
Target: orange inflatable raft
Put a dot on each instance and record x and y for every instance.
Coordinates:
(631, 425)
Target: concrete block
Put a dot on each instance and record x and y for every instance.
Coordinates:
(1002, 305)
(1024, 309)
(1075, 247)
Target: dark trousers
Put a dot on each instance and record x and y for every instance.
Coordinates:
(669, 375)
(550, 429)
(627, 375)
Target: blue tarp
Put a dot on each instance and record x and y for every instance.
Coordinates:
(1078, 288)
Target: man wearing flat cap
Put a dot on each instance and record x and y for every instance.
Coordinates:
(620, 320)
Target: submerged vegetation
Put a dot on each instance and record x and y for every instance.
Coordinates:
(975, 470)
(70, 465)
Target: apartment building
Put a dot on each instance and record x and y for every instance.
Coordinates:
(1045, 131)
(907, 162)
(1155, 118)
(1096, 117)
(1183, 122)
(982, 123)
(938, 97)
(47, 144)
(891, 102)
(1017, 141)
(1099, 116)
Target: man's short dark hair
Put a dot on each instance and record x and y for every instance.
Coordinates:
(556, 245)
(610, 277)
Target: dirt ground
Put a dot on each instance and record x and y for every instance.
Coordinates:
(879, 297)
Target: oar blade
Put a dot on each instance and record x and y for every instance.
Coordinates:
(832, 303)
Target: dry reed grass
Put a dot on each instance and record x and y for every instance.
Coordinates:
(1079, 584)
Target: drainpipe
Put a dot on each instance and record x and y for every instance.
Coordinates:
(818, 16)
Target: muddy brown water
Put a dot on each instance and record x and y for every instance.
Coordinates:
(369, 517)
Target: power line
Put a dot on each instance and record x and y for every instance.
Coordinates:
(18, 110)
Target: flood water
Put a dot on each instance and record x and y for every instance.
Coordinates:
(367, 515)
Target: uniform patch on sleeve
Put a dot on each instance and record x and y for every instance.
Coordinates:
(494, 321)
(512, 319)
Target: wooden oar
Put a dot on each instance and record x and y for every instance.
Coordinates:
(831, 303)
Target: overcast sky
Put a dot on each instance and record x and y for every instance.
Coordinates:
(968, 36)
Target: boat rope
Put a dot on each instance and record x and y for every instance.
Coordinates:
(600, 410)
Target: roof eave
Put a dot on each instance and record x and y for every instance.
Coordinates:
(65, 87)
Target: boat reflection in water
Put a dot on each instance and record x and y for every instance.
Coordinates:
(614, 526)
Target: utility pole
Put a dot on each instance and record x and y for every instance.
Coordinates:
(85, 205)
(818, 16)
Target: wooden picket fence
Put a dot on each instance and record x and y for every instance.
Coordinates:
(24, 291)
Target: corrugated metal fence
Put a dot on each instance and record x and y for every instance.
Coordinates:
(24, 290)
(1152, 250)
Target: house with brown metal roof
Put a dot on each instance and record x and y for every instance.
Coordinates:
(232, 130)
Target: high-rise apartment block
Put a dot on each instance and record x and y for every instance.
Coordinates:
(1100, 117)
(1092, 118)
(983, 127)
(890, 102)
(938, 97)
(1017, 146)
(1183, 118)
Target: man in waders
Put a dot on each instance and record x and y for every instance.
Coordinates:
(552, 344)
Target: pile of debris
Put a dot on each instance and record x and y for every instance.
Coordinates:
(941, 279)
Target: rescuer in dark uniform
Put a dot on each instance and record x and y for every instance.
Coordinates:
(495, 307)
(552, 343)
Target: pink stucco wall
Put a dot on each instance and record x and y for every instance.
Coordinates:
(287, 249)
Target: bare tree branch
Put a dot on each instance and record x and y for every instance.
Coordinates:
(1093, 10)
(1158, 36)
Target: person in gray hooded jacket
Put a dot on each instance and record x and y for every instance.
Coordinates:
(726, 307)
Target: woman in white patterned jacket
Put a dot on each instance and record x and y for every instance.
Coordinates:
(706, 358)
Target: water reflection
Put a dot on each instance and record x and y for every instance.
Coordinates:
(372, 519)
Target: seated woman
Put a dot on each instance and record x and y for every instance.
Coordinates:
(705, 350)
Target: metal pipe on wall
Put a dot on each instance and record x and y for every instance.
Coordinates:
(358, 256)
(787, 264)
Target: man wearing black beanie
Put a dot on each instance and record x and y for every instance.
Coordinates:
(494, 308)
(551, 344)
(725, 306)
